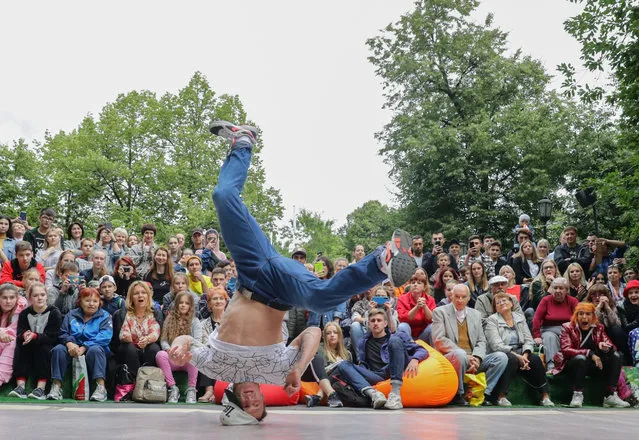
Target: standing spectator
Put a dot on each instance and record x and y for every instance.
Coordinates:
(477, 282)
(572, 252)
(358, 253)
(417, 246)
(553, 311)
(37, 333)
(493, 250)
(13, 271)
(454, 250)
(415, 308)
(197, 241)
(37, 235)
(11, 304)
(211, 254)
(142, 254)
(121, 238)
(541, 283)
(160, 275)
(75, 232)
(124, 274)
(181, 240)
(525, 263)
(587, 350)
(106, 242)
(475, 255)
(603, 257)
(615, 283)
(50, 255)
(7, 242)
(299, 254)
(458, 335)
(438, 240)
(336, 315)
(524, 234)
(577, 279)
(175, 251)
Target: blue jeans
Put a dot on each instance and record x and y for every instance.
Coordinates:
(96, 357)
(260, 268)
(425, 335)
(493, 364)
(361, 378)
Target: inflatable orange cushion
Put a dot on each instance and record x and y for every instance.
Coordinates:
(274, 395)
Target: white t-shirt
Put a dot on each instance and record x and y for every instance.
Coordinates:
(237, 363)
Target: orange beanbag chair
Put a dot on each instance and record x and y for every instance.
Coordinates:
(274, 395)
(435, 384)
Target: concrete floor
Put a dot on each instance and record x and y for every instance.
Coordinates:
(136, 421)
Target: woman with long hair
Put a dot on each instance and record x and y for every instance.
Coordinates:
(615, 283)
(106, 241)
(442, 278)
(609, 314)
(11, 304)
(75, 232)
(477, 282)
(50, 255)
(54, 276)
(217, 300)
(525, 263)
(161, 274)
(577, 279)
(541, 283)
(7, 242)
(125, 274)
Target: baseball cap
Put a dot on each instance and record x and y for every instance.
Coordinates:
(299, 250)
(106, 278)
(197, 231)
(497, 279)
(453, 241)
(233, 414)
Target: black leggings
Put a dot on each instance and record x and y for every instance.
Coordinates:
(535, 377)
(316, 370)
(32, 359)
(580, 366)
(135, 357)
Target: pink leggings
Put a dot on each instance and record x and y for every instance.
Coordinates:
(168, 367)
(6, 360)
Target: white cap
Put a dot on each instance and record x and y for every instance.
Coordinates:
(233, 414)
(497, 279)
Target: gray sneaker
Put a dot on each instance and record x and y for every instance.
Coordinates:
(18, 392)
(396, 259)
(378, 400)
(394, 401)
(230, 131)
(99, 395)
(38, 393)
(191, 394)
(614, 401)
(55, 393)
(174, 394)
(577, 399)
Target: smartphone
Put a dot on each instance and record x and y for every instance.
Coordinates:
(380, 300)
(108, 226)
(438, 243)
(319, 267)
(75, 280)
(23, 215)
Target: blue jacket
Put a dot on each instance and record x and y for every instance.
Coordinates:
(96, 331)
(315, 318)
(9, 248)
(414, 350)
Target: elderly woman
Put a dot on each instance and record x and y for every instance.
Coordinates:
(541, 283)
(587, 350)
(415, 308)
(553, 311)
(507, 331)
(86, 331)
(608, 316)
(137, 329)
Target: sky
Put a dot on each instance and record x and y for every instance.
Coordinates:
(300, 69)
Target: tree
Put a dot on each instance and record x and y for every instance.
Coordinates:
(369, 225)
(476, 136)
(315, 234)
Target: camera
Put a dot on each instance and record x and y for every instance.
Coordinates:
(74, 280)
(438, 242)
(126, 269)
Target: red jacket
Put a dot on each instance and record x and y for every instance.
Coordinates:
(550, 313)
(419, 322)
(8, 274)
(570, 342)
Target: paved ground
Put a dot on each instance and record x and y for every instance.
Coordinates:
(136, 421)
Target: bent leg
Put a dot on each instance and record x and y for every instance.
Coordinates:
(164, 363)
(357, 376)
(494, 366)
(459, 361)
(96, 362)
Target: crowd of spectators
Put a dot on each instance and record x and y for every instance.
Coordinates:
(120, 300)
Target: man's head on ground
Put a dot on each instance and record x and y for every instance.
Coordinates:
(249, 399)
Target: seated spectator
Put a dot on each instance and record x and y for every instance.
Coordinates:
(553, 311)
(507, 331)
(358, 253)
(217, 302)
(65, 295)
(111, 301)
(86, 330)
(541, 283)
(28, 278)
(37, 236)
(577, 279)
(512, 288)
(53, 276)
(464, 274)
(572, 252)
(359, 313)
(525, 226)
(121, 238)
(125, 273)
(18, 229)
(142, 254)
(525, 263)
(475, 255)
(334, 349)
(477, 282)
(630, 274)
(198, 282)
(493, 249)
(84, 260)
(598, 278)
(458, 335)
(382, 356)
(615, 283)
(543, 249)
(75, 232)
(7, 242)
(449, 293)
(608, 316)
(337, 314)
(179, 284)
(11, 304)
(98, 269)
(587, 350)
(218, 279)
(454, 250)
(631, 318)
(175, 251)
(106, 242)
(160, 275)
(484, 304)
(50, 255)
(13, 271)
(37, 333)
(181, 265)
(414, 309)
(317, 372)
(443, 277)
(197, 241)
(131, 241)
(137, 329)
(180, 321)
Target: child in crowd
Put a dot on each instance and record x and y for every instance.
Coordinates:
(11, 304)
(524, 223)
(84, 260)
(179, 284)
(449, 293)
(111, 301)
(37, 332)
(30, 276)
(65, 295)
(50, 255)
(180, 266)
(181, 321)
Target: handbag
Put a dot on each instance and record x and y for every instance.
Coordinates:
(476, 387)
(150, 386)
(79, 376)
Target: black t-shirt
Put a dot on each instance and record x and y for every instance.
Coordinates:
(160, 287)
(373, 353)
(37, 240)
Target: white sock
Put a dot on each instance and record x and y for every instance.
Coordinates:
(370, 392)
(395, 386)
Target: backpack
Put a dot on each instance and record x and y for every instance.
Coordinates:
(348, 395)
(150, 386)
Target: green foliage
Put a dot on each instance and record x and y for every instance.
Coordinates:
(476, 136)
(142, 159)
(369, 225)
(314, 234)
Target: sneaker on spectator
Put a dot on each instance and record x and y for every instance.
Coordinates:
(174, 394)
(396, 261)
(502, 401)
(577, 399)
(547, 402)
(38, 393)
(232, 132)
(55, 393)
(614, 401)
(334, 401)
(99, 395)
(394, 401)
(18, 392)
(191, 394)
(313, 400)
(378, 400)
(459, 400)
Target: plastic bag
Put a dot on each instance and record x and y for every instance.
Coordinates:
(80, 375)
(476, 385)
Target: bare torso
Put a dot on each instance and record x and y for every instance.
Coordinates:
(250, 323)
